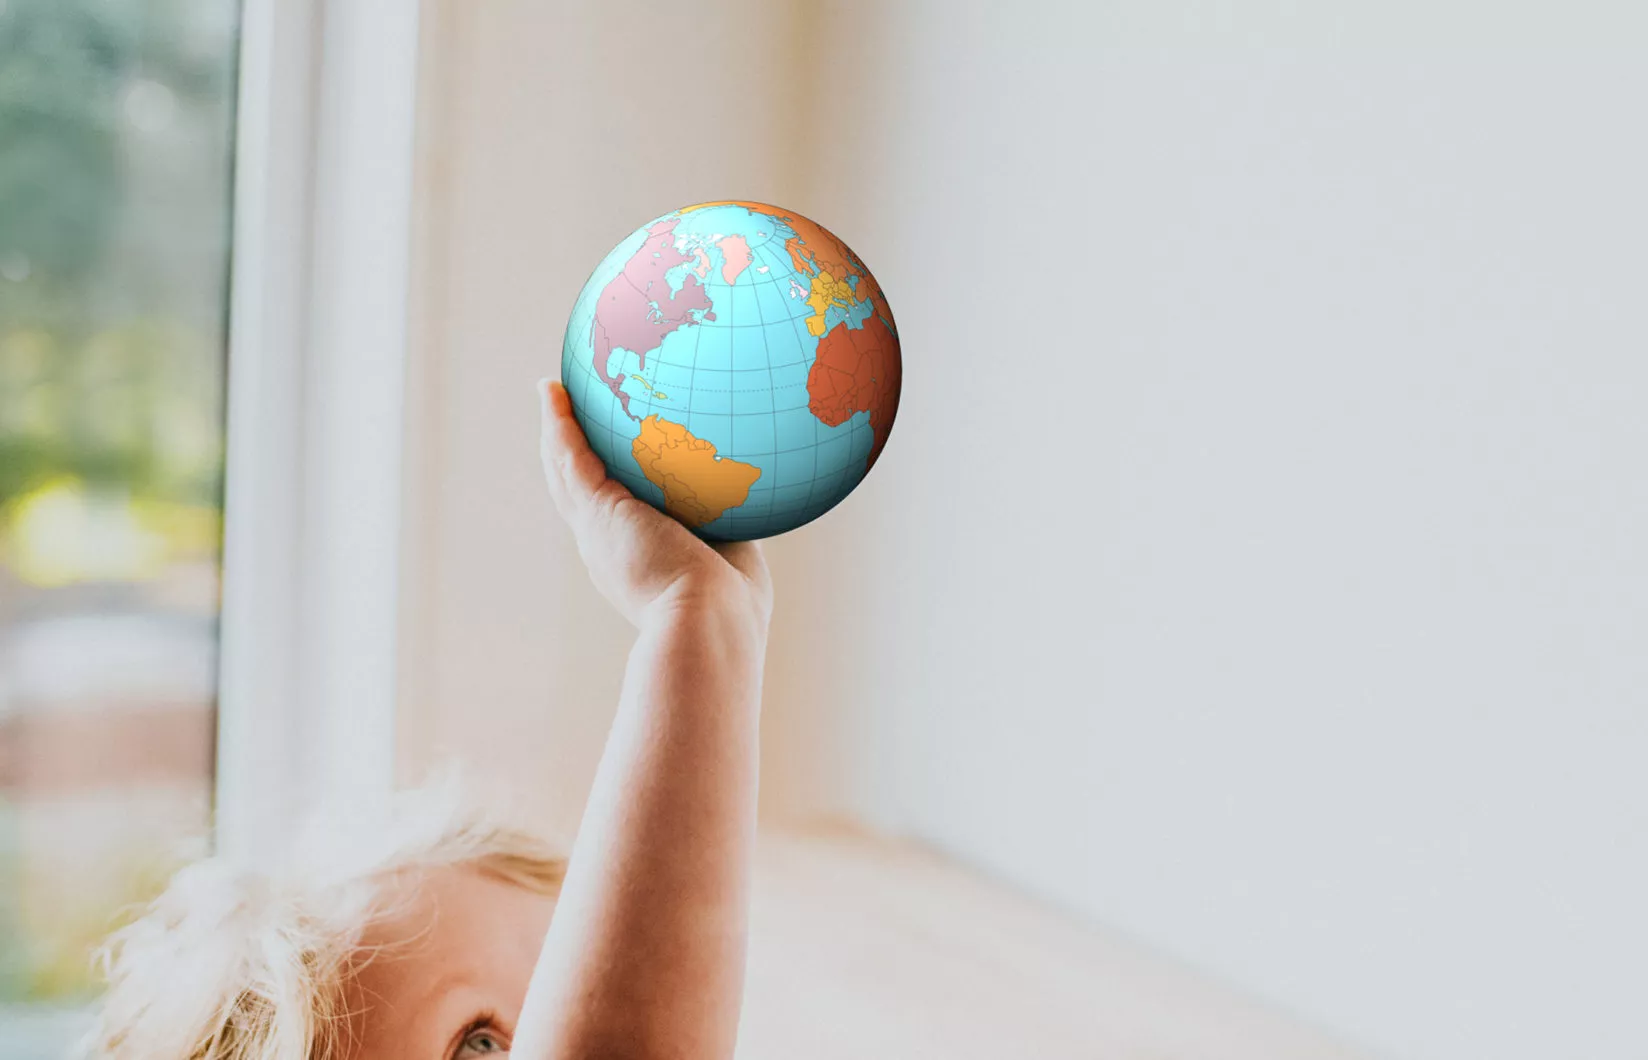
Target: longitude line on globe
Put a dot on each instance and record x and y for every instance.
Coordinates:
(812, 482)
(692, 370)
(767, 349)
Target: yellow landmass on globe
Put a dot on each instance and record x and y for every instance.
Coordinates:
(698, 485)
(826, 291)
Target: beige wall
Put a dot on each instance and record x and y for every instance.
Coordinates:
(1255, 564)
(551, 131)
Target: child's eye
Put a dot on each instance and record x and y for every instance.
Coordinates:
(482, 1043)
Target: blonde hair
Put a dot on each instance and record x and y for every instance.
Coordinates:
(231, 963)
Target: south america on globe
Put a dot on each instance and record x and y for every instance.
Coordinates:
(736, 366)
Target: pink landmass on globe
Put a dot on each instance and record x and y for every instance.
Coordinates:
(736, 250)
(636, 309)
(703, 267)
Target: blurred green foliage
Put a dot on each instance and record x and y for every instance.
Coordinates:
(114, 196)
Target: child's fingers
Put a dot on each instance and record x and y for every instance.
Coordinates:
(549, 450)
(571, 469)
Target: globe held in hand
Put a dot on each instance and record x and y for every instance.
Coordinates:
(735, 365)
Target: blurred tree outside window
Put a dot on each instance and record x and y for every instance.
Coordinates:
(116, 152)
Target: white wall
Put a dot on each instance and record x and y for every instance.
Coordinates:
(1256, 564)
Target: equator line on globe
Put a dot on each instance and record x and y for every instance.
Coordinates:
(735, 365)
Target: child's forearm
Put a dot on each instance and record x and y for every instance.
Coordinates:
(646, 955)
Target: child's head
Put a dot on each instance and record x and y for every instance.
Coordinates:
(412, 936)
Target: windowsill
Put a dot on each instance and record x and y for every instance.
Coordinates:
(863, 946)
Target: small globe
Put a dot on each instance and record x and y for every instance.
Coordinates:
(734, 365)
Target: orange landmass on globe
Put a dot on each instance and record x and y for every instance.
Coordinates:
(857, 370)
(698, 485)
(814, 251)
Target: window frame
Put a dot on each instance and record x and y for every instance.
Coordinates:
(319, 314)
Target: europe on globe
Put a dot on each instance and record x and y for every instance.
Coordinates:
(735, 365)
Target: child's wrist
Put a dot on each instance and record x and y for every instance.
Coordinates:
(728, 604)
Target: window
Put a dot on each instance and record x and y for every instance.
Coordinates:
(116, 144)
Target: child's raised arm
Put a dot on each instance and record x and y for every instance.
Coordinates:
(645, 957)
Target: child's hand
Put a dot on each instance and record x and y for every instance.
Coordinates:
(641, 559)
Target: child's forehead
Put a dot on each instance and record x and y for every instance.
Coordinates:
(451, 942)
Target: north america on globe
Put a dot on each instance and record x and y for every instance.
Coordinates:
(736, 366)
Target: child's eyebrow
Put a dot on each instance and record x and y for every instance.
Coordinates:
(483, 1018)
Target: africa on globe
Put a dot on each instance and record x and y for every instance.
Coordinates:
(735, 365)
